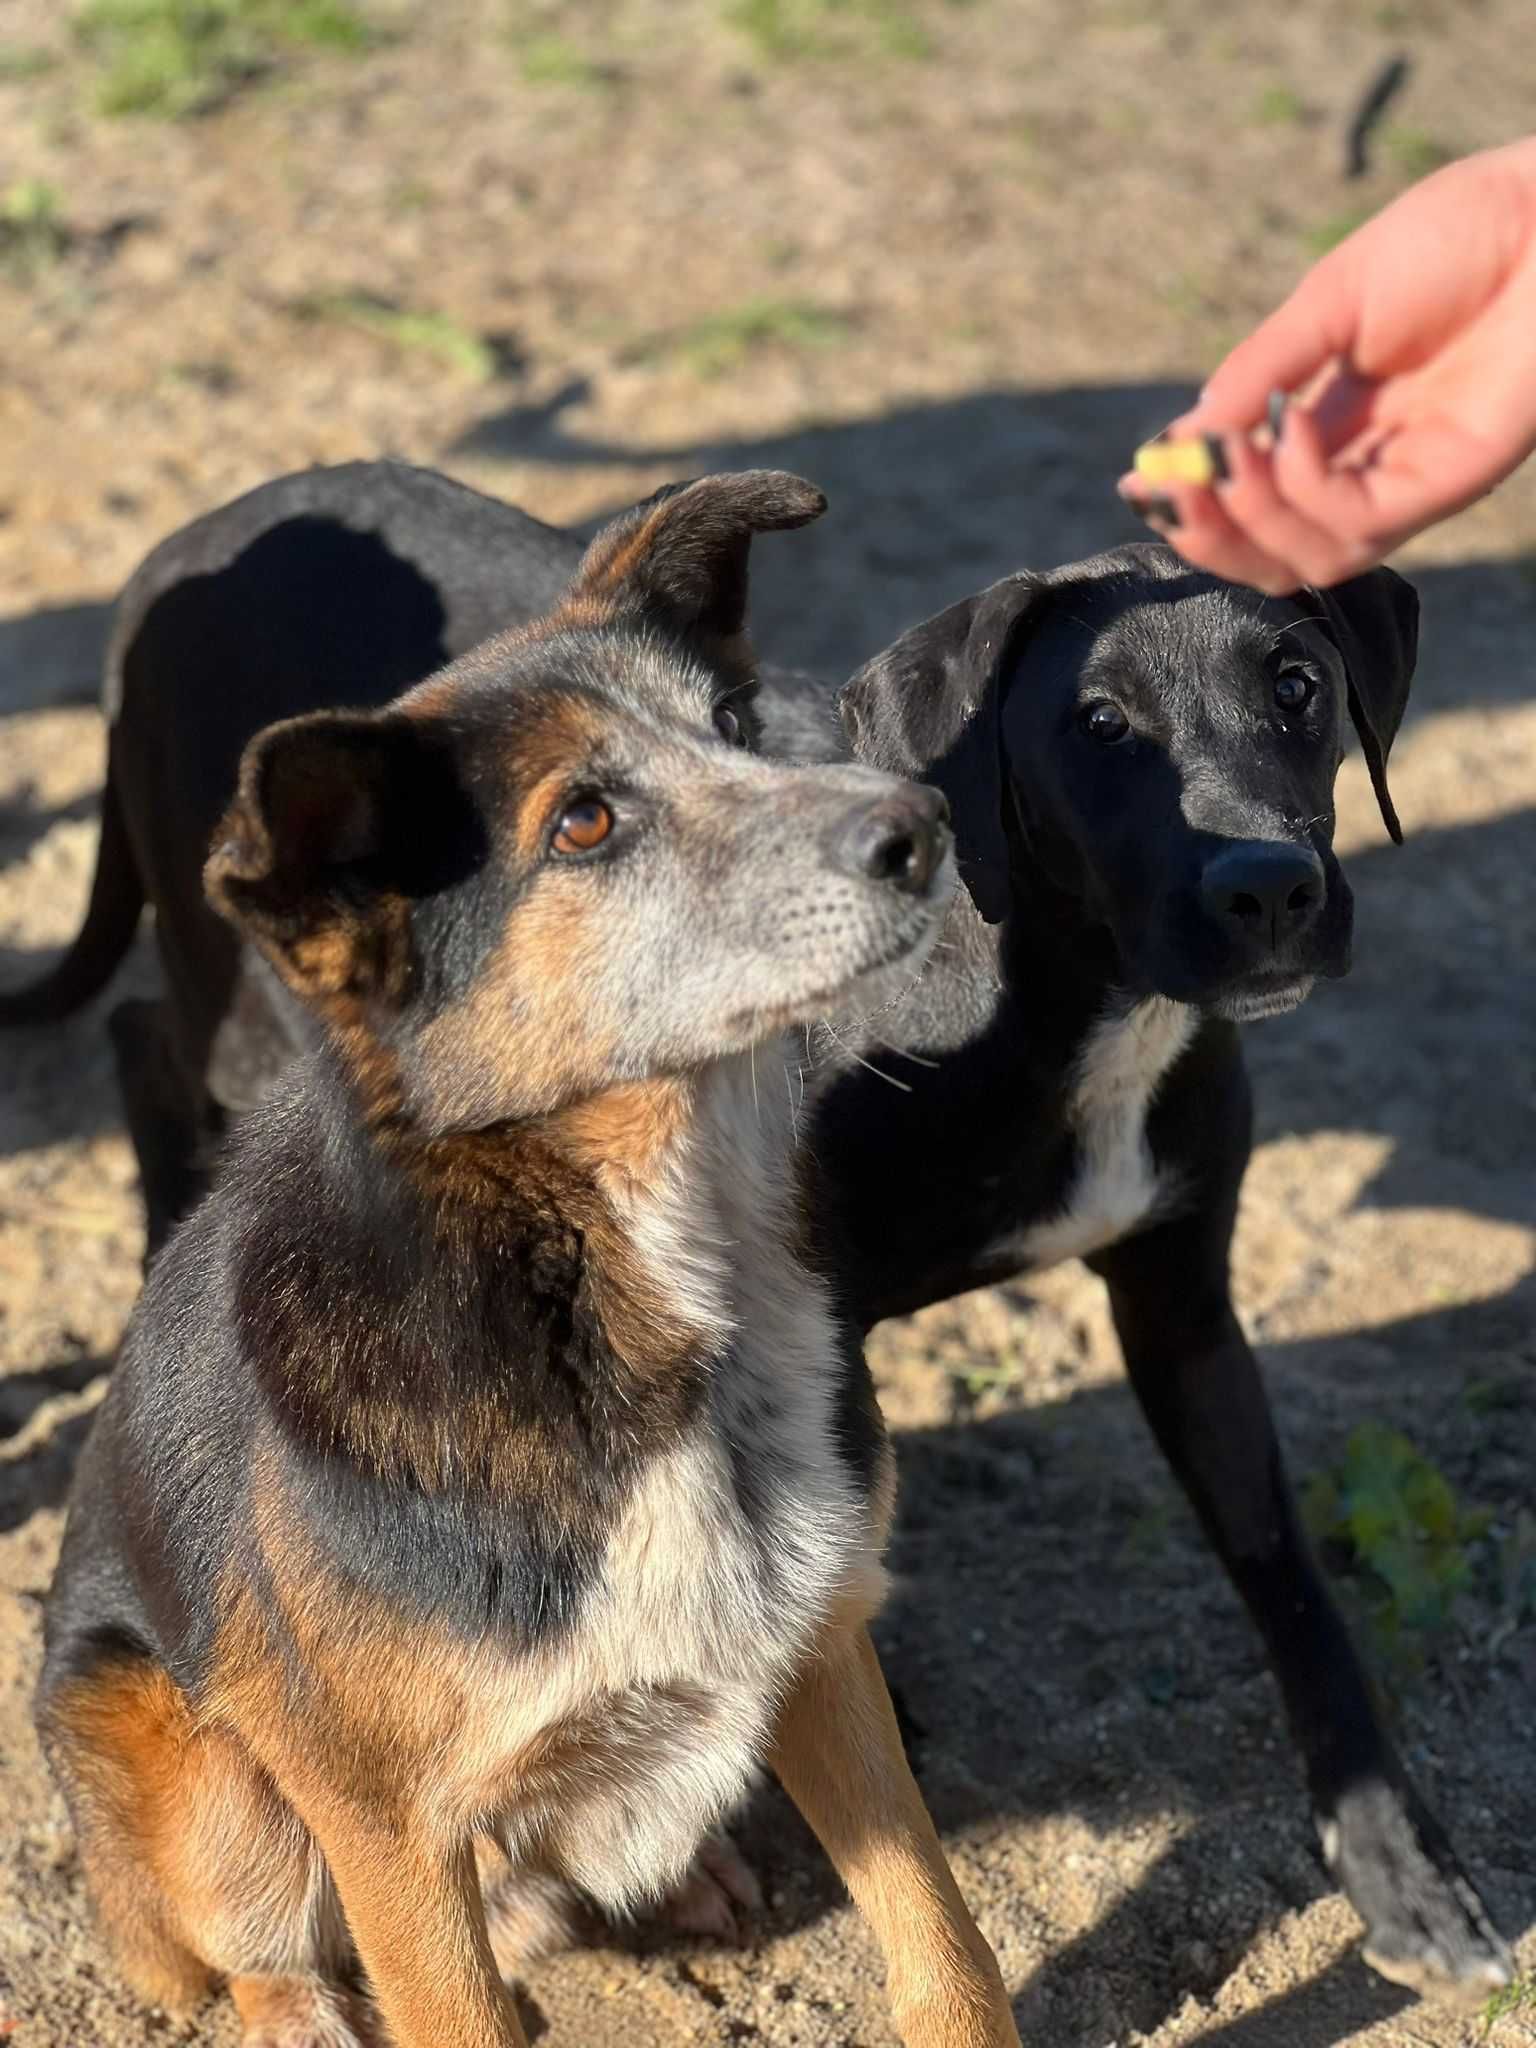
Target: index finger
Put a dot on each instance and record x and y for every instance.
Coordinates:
(1313, 328)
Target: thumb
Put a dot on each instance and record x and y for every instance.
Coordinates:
(1315, 326)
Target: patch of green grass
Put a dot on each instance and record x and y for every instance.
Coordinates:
(172, 58)
(1278, 106)
(211, 374)
(789, 30)
(977, 1380)
(1338, 227)
(1147, 1534)
(722, 342)
(1396, 15)
(553, 60)
(1508, 2002)
(1493, 1397)
(33, 231)
(1390, 1525)
(411, 195)
(1415, 153)
(1115, 117)
(406, 327)
(19, 61)
(1515, 1563)
(1186, 296)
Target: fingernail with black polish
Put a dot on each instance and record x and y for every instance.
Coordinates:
(1221, 469)
(1157, 511)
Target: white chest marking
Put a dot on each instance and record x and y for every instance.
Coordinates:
(1116, 1188)
(708, 1601)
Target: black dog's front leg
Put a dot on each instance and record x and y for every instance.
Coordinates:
(1198, 1383)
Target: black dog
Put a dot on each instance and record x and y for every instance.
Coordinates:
(332, 587)
(1140, 764)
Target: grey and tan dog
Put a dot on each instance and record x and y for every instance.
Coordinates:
(488, 1466)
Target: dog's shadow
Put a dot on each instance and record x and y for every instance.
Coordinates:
(1076, 1680)
(1068, 1657)
(39, 1477)
(934, 499)
(1431, 1041)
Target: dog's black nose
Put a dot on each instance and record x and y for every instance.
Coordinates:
(1269, 889)
(897, 839)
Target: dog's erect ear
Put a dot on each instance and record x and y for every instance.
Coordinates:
(930, 707)
(340, 821)
(1373, 620)
(681, 556)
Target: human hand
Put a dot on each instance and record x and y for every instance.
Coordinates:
(1409, 357)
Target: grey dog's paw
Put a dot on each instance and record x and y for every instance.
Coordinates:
(531, 1914)
(718, 1895)
(303, 2012)
(1426, 1927)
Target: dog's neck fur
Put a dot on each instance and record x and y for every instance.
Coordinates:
(1037, 1126)
(622, 1244)
(1036, 985)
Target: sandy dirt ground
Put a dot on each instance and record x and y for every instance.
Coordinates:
(950, 261)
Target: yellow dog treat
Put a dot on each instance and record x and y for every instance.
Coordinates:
(1181, 462)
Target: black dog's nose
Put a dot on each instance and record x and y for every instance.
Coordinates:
(1270, 889)
(897, 839)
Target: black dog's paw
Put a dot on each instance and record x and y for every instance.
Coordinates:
(1426, 1927)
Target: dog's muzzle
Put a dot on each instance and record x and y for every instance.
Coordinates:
(1264, 895)
(1271, 928)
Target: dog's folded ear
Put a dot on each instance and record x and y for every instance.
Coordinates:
(680, 557)
(340, 821)
(929, 707)
(1373, 620)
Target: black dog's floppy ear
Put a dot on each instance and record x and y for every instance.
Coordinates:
(929, 707)
(682, 554)
(339, 820)
(1373, 620)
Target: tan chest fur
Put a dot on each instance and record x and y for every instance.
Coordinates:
(609, 1750)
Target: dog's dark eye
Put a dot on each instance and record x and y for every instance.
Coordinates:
(1106, 723)
(728, 725)
(1293, 689)
(582, 826)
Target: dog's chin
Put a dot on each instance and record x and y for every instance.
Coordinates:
(881, 979)
(1249, 1002)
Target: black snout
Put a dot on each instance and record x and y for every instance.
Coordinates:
(1264, 890)
(897, 839)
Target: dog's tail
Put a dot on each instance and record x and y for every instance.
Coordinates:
(111, 920)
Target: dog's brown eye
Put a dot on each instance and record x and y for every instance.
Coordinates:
(1106, 723)
(728, 725)
(1293, 689)
(582, 826)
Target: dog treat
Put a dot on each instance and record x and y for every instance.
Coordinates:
(1198, 461)
(1201, 459)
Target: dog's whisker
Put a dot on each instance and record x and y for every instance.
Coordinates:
(794, 1107)
(915, 1057)
(859, 1060)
